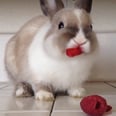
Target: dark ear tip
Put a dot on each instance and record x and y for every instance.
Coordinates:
(84, 4)
(60, 2)
(42, 2)
(48, 9)
(89, 6)
(42, 5)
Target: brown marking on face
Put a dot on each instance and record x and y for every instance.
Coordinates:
(72, 26)
(85, 18)
(87, 28)
(86, 23)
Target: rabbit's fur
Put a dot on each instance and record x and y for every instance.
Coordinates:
(36, 56)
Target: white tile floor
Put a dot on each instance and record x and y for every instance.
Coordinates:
(62, 106)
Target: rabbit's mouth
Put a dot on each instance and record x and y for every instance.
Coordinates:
(75, 48)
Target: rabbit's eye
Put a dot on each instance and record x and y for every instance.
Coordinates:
(61, 25)
(88, 29)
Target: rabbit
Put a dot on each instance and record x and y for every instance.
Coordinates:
(35, 57)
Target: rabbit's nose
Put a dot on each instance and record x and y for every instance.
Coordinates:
(80, 43)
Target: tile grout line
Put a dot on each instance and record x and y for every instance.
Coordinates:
(110, 84)
(71, 111)
(7, 33)
(52, 106)
(25, 111)
(3, 87)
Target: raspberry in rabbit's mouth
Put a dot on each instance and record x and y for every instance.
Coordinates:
(72, 52)
(76, 50)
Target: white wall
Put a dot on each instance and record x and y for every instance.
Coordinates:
(3, 42)
(14, 13)
(105, 68)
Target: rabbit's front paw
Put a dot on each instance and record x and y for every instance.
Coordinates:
(79, 92)
(43, 95)
(21, 92)
(24, 90)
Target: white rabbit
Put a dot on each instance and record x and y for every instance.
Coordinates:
(36, 59)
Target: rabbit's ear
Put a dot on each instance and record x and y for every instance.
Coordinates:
(50, 7)
(84, 4)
